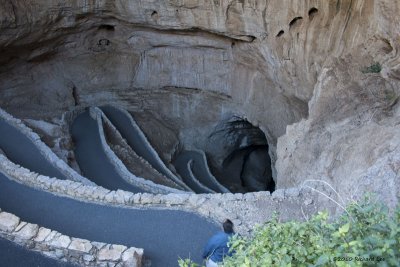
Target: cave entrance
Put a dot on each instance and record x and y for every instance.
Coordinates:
(242, 162)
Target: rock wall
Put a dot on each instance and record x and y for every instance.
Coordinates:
(192, 63)
(351, 138)
(103, 51)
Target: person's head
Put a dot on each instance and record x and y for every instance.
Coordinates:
(228, 226)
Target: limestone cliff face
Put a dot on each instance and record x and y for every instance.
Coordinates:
(189, 64)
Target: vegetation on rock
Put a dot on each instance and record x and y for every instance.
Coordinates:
(366, 235)
(374, 68)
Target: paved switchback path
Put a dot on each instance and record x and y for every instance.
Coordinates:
(183, 167)
(21, 150)
(13, 255)
(136, 139)
(165, 235)
(122, 122)
(91, 158)
(199, 170)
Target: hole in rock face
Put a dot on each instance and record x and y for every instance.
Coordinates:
(106, 27)
(103, 42)
(280, 33)
(386, 46)
(312, 12)
(295, 21)
(75, 96)
(241, 161)
(154, 15)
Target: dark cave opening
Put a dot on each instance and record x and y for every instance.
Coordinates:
(295, 21)
(75, 96)
(256, 170)
(106, 27)
(154, 15)
(246, 163)
(312, 12)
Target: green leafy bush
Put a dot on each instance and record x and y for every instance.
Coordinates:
(364, 236)
(374, 68)
(187, 263)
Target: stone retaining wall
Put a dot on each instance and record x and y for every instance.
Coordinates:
(133, 162)
(65, 248)
(146, 185)
(192, 177)
(44, 149)
(154, 153)
(246, 210)
(212, 177)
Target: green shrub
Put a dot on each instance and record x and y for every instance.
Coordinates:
(187, 263)
(365, 236)
(374, 68)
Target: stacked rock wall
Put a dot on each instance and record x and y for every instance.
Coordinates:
(64, 248)
(246, 210)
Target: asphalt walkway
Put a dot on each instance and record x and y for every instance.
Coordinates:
(199, 169)
(13, 255)
(91, 158)
(164, 234)
(184, 169)
(136, 140)
(21, 150)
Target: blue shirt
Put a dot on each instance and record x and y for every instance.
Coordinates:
(217, 247)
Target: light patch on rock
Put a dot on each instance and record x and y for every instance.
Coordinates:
(80, 245)
(8, 222)
(28, 231)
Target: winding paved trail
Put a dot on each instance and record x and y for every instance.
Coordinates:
(184, 168)
(21, 150)
(164, 234)
(199, 169)
(13, 255)
(91, 158)
(136, 139)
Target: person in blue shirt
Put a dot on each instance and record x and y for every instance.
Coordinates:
(217, 246)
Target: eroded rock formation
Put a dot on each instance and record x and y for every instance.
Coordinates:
(183, 66)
